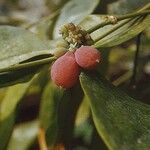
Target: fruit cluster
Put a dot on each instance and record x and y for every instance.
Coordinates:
(66, 69)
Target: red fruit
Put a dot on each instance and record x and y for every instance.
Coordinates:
(65, 70)
(87, 57)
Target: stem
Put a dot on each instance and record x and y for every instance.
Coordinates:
(29, 64)
(119, 18)
(133, 78)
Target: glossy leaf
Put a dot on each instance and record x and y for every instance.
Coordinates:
(121, 121)
(74, 11)
(126, 6)
(23, 135)
(118, 36)
(18, 45)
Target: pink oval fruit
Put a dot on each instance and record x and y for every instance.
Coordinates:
(65, 70)
(87, 57)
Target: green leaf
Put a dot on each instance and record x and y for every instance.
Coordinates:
(44, 27)
(117, 36)
(7, 110)
(84, 130)
(74, 11)
(11, 99)
(103, 67)
(48, 110)
(23, 72)
(2, 93)
(122, 122)
(96, 141)
(14, 77)
(55, 5)
(51, 96)
(58, 112)
(83, 112)
(18, 45)
(126, 6)
(23, 135)
(6, 128)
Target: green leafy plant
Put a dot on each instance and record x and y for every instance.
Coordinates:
(92, 112)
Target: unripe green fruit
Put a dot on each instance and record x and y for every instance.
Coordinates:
(65, 70)
(59, 52)
(60, 49)
(87, 57)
